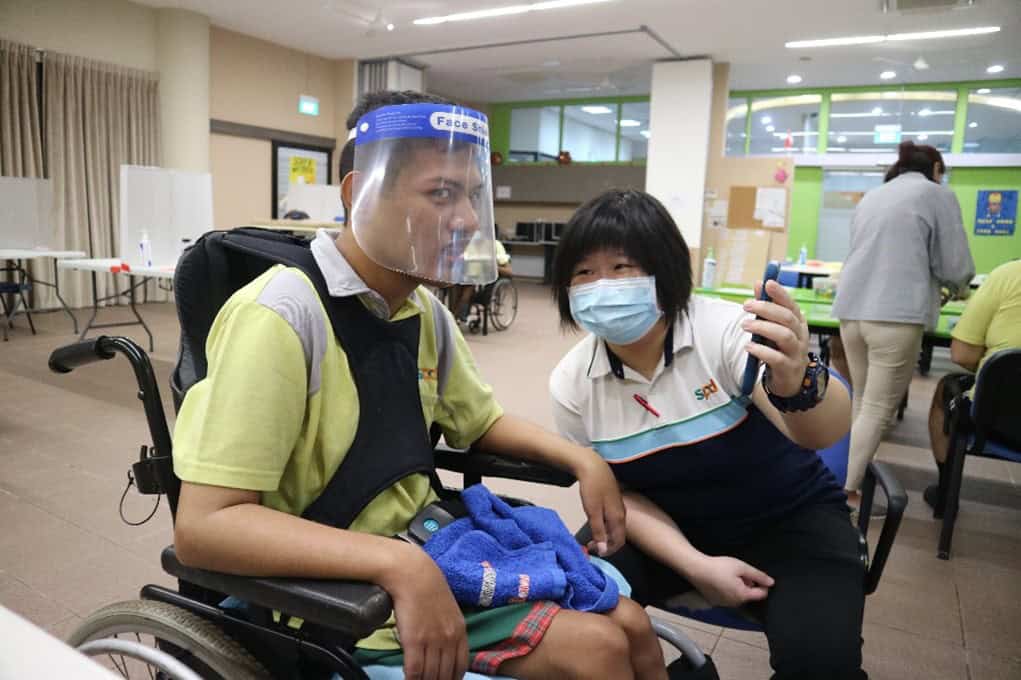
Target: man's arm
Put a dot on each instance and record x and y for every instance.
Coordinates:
(600, 495)
(227, 530)
(965, 354)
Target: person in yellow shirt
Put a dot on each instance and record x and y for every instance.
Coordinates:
(304, 451)
(991, 322)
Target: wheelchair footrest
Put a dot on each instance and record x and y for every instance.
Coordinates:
(352, 608)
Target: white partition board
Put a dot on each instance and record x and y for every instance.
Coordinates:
(321, 202)
(27, 213)
(168, 206)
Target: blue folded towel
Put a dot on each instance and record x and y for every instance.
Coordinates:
(498, 555)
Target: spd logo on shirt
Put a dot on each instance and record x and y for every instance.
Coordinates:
(706, 391)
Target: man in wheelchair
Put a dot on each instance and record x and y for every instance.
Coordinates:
(306, 448)
(461, 298)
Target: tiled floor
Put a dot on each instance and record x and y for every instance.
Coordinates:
(66, 443)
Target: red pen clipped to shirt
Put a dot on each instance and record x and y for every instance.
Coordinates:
(646, 405)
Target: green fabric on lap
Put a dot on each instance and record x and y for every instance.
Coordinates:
(486, 627)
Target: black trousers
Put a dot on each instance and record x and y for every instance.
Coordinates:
(813, 615)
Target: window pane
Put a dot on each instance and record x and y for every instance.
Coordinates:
(994, 121)
(876, 122)
(737, 114)
(785, 125)
(841, 192)
(535, 134)
(634, 132)
(590, 132)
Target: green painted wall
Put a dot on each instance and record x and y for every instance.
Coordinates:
(806, 201)
(989, 251)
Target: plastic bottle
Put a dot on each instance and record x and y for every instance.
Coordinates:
(145, 248)
(708, 269)
(803, 254)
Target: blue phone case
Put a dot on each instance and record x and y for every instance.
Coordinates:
(751, 368)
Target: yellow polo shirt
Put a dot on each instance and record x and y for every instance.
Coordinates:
(992, 318)
(278, 409)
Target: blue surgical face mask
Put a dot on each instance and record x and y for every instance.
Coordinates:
(618, 310)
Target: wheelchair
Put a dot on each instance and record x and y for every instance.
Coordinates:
(195, 630)
(494, 304)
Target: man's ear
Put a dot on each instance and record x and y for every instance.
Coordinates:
(347, 190)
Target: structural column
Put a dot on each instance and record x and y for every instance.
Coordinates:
(182, 58)
(680, 107)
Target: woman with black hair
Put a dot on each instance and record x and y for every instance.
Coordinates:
(724, 492)
(907, 240)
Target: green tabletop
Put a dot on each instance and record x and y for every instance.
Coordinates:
(818, 310)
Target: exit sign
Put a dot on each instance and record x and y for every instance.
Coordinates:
(308, 105)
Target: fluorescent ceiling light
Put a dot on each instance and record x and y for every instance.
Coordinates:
(770, 128)
(925, 112)
(841, 139)
(878, 111)
(856, 115)
(597, 110)
(793, 79)
(389, 27)
(973, 124)
(983, 90)
(888, 75)
(645, 133)
(766, 120)
(921, 136)
(504, 11)
(893, 37)
(627, 122)
(995, 68)
(935, 35)
(835, 42)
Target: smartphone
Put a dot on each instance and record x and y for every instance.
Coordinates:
(751, 368)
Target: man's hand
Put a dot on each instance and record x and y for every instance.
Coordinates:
(603, 504)
(430, 625)
(729, 582)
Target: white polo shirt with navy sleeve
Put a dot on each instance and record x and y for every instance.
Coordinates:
(687, 439)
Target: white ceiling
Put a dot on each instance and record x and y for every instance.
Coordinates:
(747, 33)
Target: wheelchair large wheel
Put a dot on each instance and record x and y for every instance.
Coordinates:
(503, 304)
(198, 644)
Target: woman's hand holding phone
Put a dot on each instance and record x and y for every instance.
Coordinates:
(779, 320)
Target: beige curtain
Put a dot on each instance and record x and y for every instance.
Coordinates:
(21, 146)
(97, 117)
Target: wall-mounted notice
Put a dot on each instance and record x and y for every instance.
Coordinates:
(995, 213)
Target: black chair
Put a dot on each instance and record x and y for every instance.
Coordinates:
(12, 293)
(987, 425)
(192, 623)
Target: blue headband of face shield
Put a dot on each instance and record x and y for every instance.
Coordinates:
(620, 311)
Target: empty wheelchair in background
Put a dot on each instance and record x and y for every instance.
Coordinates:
(194, 626)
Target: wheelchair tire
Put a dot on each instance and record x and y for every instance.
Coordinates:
(503, 304)
(198, 643)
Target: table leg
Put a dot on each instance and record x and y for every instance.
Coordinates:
(925, 358)
(95, 307)
(134, 310)
(25, 282)
(56, 288)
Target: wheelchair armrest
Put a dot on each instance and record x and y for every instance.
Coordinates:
(475, 464)
(896, 501)
(352, 608)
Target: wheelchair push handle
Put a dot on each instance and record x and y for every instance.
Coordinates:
(69, 357)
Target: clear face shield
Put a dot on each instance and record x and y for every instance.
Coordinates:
(422, 201)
